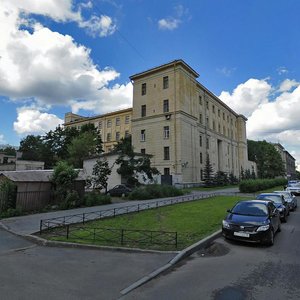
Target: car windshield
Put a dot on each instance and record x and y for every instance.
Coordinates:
(274, 198)
(250, 209)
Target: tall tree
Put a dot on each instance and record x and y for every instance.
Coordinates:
(268, 160)
(31, 147)
(208, 172)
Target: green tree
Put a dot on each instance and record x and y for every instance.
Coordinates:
(268, 160)
(31, 147)
(101, 172)
(8, 150)
(208, 172)
(63, 178)
(130, 164)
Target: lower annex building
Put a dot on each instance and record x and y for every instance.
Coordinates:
(179, 122)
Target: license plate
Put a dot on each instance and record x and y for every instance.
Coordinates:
(243, 234)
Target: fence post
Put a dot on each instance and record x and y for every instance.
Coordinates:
(114, 212)
(68, 231)
(83, 218)
(41, 226)
(176, 239)
(122, 236)
(94, 234)
(138, 210)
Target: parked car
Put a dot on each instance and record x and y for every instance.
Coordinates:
(290, 198)
(279, 202)
(252, 221)
(294, 188)
(120, 190)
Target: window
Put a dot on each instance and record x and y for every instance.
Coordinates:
(201, 158)
(200, 140)
(200, 118)
(227, 119)
(224, 132)
(108, 137)
(207, 143)
(127, 133)
(207, 105)
(100, 125)
(201, 174)
(166, 82)
(117, 136)
(166, 106)
(200, 100)
(166, 153)
(219, 128)
(166, 171)
(143, 135)
(207, 122)
(143, 151)
(118, 121)
(224, 116)
(219, 113)
(213, 108)
(166, 132)
(127, 119)
(214, 125)
(108, 124)
(143, 110)
(144, 89)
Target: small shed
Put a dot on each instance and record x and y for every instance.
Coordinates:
(34, 188)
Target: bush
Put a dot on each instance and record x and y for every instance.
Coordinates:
(11, 212)
(95, 198)
(254, 185)
(8, 195)
(154, 191)
(72, 200)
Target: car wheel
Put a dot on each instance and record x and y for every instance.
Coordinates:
(270, 241)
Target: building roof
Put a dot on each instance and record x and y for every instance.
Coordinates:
(34, 175)
(165, 66)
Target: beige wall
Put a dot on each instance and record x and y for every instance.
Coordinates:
(101, 122)
(193, 111)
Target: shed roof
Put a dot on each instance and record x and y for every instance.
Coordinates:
(34, 175)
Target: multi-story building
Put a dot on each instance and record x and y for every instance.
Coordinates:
(179, 122)
(112, 126)
(289, 162)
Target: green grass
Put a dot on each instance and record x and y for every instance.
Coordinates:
(192, 221)
(208, 189)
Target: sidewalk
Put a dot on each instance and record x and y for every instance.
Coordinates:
(29, 224)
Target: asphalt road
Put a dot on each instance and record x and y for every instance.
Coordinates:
(28, 271)
(234, 271)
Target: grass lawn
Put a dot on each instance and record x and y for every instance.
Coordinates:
(192, 221)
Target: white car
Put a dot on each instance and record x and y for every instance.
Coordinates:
(289, 198)
(294, 188)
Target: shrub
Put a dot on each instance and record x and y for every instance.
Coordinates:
(11, 212)
(8, 195)
(254, 185)
(95, 198)
(154, 191)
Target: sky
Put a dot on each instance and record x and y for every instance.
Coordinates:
(58, 56)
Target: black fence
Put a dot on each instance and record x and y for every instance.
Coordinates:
(47, 224)
(113, 236)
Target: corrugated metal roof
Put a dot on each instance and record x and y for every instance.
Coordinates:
(34, 175)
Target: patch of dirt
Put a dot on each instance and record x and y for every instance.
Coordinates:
(214, 249)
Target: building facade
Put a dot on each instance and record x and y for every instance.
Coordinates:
(179, 122)
(289, 162)
(112, 126)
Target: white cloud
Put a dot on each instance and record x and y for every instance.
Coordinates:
(172, 22)
(226, 71)
(2, 139)
(287, 85)
(32, 121)
(168, 24)
(246, 97)
(99, 26)
(282, 70)
(47, 67)
(271, 116)
(118, 97)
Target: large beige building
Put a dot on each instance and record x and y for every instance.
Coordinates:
(289, 162)
(178, 121)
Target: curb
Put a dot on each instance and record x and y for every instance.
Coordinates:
(180, 256)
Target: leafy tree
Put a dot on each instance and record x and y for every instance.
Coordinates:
(63, 178)
(253, 176)
(242, 175)
(8, 150)
(268, 160)
(101, 171)
(8, 195)
(130, 164)
(221, 178)
(232, 179)
(208, 172)
(247, 174)
(31, 147)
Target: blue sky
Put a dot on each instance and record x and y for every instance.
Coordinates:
(62, 55)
